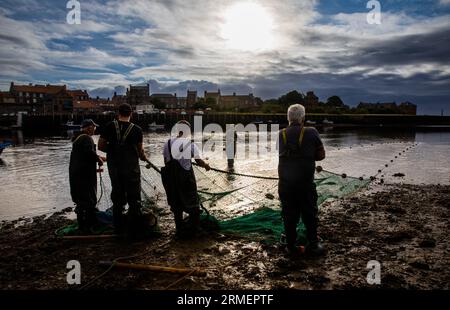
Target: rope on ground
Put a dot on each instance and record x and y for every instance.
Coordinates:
(182, 278)
(115, 261)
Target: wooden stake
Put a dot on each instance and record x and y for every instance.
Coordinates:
(199, 273)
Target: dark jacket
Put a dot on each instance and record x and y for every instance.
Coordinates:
(83, 170)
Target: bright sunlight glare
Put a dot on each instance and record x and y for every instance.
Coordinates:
(248, 27)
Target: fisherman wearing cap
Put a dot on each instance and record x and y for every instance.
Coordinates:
(179, 178)
(83, 175)
(123, 143)
(299, 149)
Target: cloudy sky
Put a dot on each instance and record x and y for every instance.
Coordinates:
(266, 47)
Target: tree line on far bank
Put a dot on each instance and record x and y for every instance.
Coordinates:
(333, 105)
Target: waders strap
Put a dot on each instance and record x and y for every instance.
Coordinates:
(116, 124)
(284, 135)
(302, 133)
(300, 139)
(127, 132)
(170, 149)
(121, 139)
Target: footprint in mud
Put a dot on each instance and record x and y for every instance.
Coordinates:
(395, 210)
(289, 264)
(419, 264)
(398, 236)
(427, 243)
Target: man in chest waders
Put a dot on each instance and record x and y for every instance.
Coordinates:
(122, 141)
(179, 179)
(299, 148)
(83, 175)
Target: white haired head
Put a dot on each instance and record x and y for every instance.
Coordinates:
(296, 113)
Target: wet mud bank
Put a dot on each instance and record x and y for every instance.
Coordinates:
(403, 227)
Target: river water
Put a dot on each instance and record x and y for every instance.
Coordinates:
(34, 173)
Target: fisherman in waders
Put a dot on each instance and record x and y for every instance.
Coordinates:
(122, 142)
(299, 148)
(179, 179)
(83, 175)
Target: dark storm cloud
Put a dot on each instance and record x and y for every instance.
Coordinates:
(431, 48)
(107, 92)
(419, 48)
(354, 88)
(180, 88)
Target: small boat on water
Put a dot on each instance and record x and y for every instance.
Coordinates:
(3, 146)
(71, 126)
(154, 127)
(327, 122)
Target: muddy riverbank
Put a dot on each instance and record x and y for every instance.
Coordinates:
(404, 227)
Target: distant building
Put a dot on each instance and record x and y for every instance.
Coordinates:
(170, 101)
(48, 99)
(237, 102)
(8, 103)
(78, 94)
(311, 99)
(138, 95)
(86, 107)
(81, 102)
(182, 102)
(191, 99)
(232, 102)
(117, 100)
(7, 98)
(213, 95)
(145, 108)
(104, 105)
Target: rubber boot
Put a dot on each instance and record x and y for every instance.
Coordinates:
(315, 248)
(119, 222)
(81, 221)
(194, 222)
(179, 224)
(91, 218)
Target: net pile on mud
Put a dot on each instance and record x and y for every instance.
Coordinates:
(248, 205)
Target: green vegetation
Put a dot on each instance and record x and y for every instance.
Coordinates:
(333, 105)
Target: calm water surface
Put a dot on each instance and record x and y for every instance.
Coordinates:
(34, 173)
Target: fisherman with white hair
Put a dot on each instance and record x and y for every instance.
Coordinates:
(299, 148)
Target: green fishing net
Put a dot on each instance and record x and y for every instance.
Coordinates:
(248, 205)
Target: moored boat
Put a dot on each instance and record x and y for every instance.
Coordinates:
(3, 146)
(71, 126)
(153, 126)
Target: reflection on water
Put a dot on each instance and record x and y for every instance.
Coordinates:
(34, 173)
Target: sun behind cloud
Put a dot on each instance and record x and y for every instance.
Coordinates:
(248, 26)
